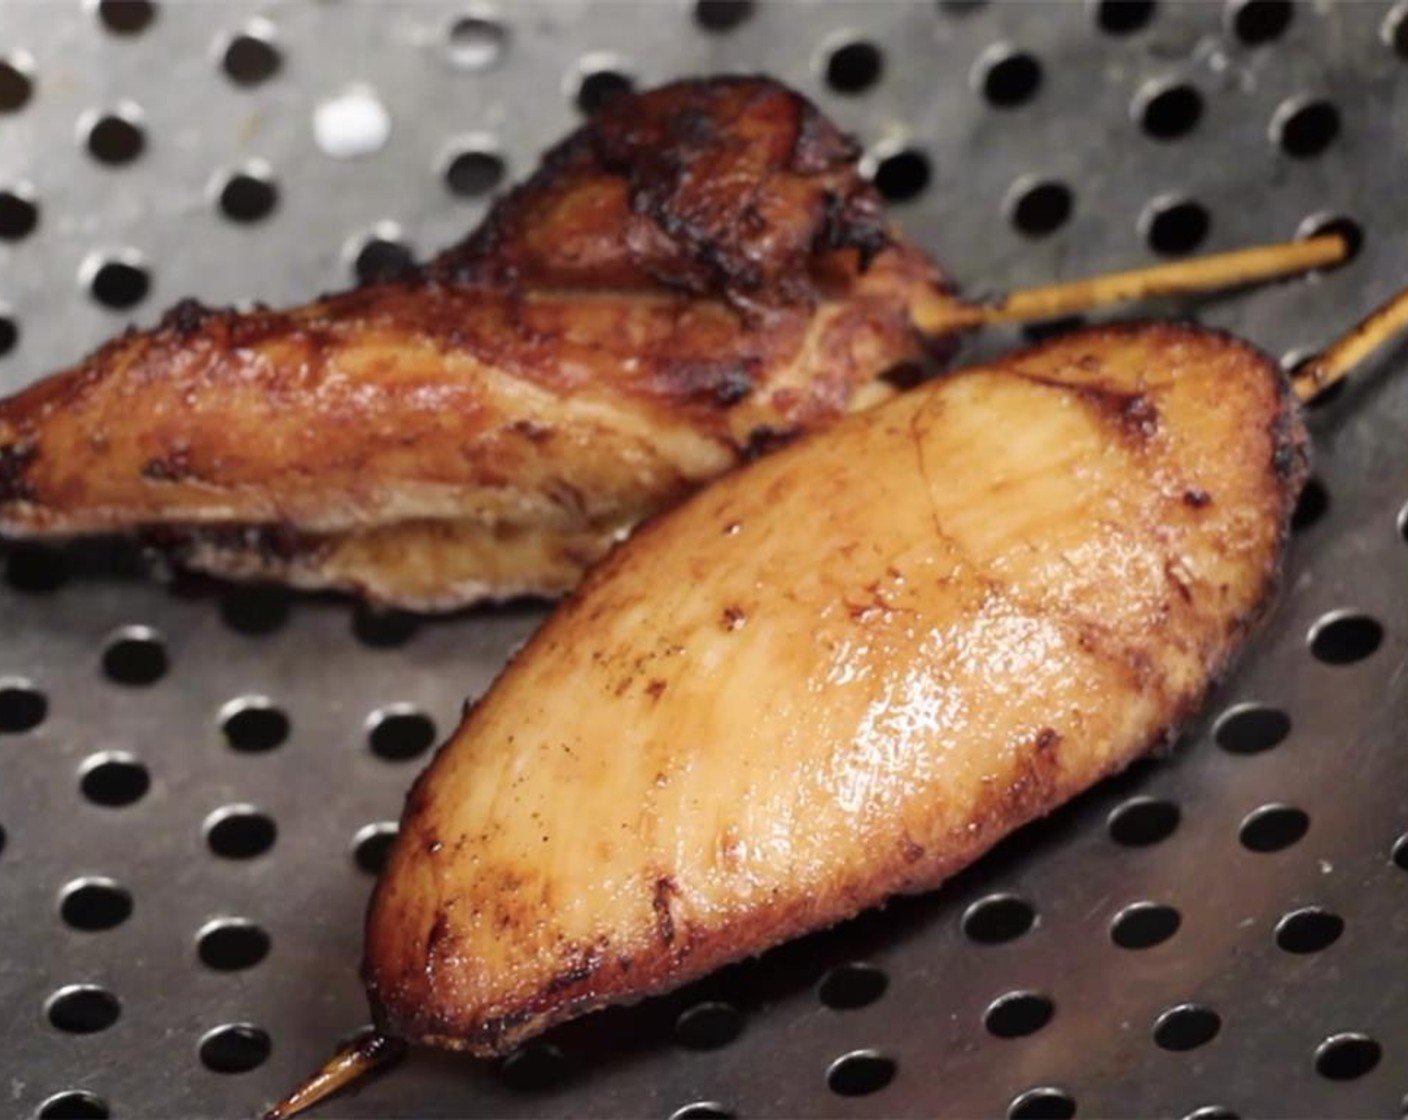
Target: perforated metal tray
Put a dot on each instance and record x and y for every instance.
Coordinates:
(193, 779)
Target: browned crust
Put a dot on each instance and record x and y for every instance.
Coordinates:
(591, 978)
(704, 260)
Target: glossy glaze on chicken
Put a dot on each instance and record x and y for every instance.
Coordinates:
(840, 673)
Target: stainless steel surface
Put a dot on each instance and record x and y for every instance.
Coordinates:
(113, 882)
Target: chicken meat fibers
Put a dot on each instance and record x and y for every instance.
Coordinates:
(838, 674)
(696, 276)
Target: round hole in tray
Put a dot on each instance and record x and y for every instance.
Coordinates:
(126, 17)
(1142, 925)
(372, 845)
(1123, 17)
(1273, 828)
(1347, 1057)
(1348, 229)
(708, 1026)
(1343, 637)
(16, 82)
(475, 169)
(1007, 77)
(600, 83)
(3, 839)
(860, 1073)
(1399, 855)
(251, 57)
(9, 331)
(536, 1067)
(1311, 506)
(253, 724)
(22, 707)
(1255, 22)
(231, 944)
(19, 213)
(35, 569)
(1018, 1014)
(74, 1104)
(117, 282)
(704, 1110)
(82, 1009)
(1251, 729)
(135, 656)
(94, 903)
(114, 779)
(1186, 1027)
(1045, 1103)
(1212, 1112)
(1394, 33)
(400, 732)
(384, 255)
(1308, 930)
(854, 67)
(240, 832)
(255, 608)
(1173, 226)
(998, 918)
(1038, 208)
(900, 174)
(722, 15)
(117, 137)
(1143, 821)
(383, 628)
(235, 1048)
(850, 986)
(1168, 110)
(249, 195)
(1305, 127)
(476, 41)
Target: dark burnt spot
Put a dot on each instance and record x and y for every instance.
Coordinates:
(15, 461)
(1196, 498)
(910, 851)
(531, 431)
(1048, 738)
(765, 439)
(491, 1034)
(186, 317)
(1141, 415)
(439, 931)
(733, 618)
(665, 889)
(586, 964)
(733, 387)
(175, 466)
(655, 689)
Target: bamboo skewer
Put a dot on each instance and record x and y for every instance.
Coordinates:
(360, 1058)
(1318, 372)
(942, 315)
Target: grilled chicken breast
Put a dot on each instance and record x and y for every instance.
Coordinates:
(697, 274)
(840, 673)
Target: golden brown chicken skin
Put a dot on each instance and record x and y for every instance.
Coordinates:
(840, 673)
(694, 276)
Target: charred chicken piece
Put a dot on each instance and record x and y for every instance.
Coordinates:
(698, 274)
